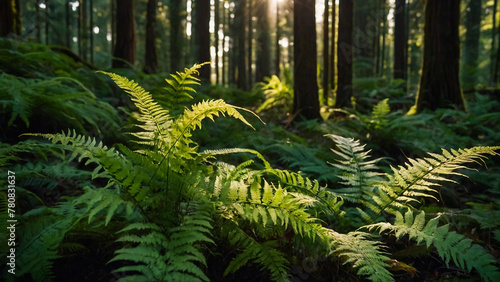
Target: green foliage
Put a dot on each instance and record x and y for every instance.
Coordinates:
(60, 99)
(278, 96)
(175, 207)
(449, 244)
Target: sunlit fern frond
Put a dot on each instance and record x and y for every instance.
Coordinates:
(449, 244)
(420, 178)
(358, 173)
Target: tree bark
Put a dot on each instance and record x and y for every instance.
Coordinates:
(344, 54)
(439, 82)
(263, 63)
(306, 102)
(400, 41)
(326, 49)
(240, 20)
(203, 36)
(176, 38)
(471, 44)
(151, 58)
(10, 18)
(125, 34)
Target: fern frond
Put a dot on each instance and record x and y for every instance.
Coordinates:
(421, 177)
(180, 85)
(265, 254)
(364, 254)
(360, 175)
(38, 247)
(158, 257)
(449, 244)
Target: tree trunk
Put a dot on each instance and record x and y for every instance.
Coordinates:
(400, 41)
(151, 59)
(176, 38)
(326, 55)
(344, 54)
(439, 82)
(10, 18)
(333, 46)
(239, 20)
(250, 41)
(306, 102)
(493, 43)
(125, 34)
(203, 36)
(263, 63)
(471, 44)
(277, 42)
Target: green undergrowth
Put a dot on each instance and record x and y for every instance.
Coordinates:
(193, 196)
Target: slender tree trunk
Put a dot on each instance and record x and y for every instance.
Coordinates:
(471, 45)
(125, 34)
(384, 36)
(333, 45)
(216, 31)
(223, 47)
(326, 55)
(250, 41)
(344, 54)
(68, 24)
(151, 58)
(176, 38)
(493, 43)
(91, 30)
(47, 21)
(10, 18)
(263, 63)
(203, 36)
(277, 42)
(439, 83)
(306, 101)
(240, 20)
(400, 41)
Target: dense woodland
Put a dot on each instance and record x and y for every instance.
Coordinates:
(250, 140)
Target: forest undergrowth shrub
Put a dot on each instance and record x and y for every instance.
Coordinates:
(172, 203)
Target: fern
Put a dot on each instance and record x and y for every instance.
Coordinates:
(162, 258)
(358, 172)
(364, 254)
(449, 244)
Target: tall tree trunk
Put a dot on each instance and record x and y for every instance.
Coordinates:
(125, 34)
(439, 83)
(47, 21)
(400, 41)
(326, 55)
(68, 24)
(151, 58)
(493, 43)
(306, 101)
(91, 30)
(344, 54)
(263, 63)
(239, 20)
(471, 44)
(203, 36)
(176, 37)
(10, 18)
(333, 46)
(250, 41)
(216, 31)
(277, 42)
